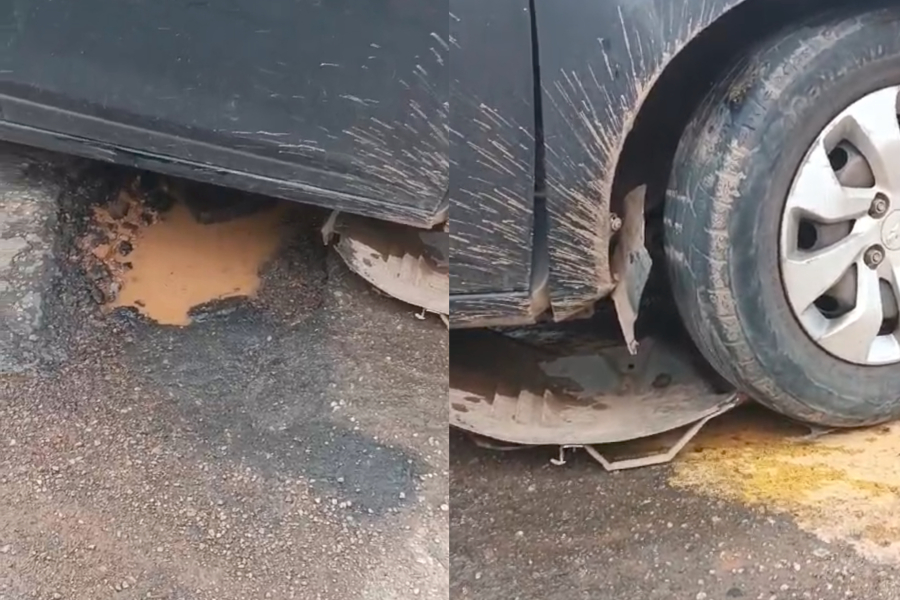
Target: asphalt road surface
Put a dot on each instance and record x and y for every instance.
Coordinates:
(294, 446)
(751, 510)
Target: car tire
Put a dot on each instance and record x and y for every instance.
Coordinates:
(730, 181)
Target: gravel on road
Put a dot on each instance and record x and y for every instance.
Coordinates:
(290, 446)
(524, 529)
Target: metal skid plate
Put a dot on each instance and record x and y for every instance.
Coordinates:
(568, 389)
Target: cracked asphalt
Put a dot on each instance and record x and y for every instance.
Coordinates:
(294, 446)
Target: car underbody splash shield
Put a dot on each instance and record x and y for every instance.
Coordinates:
(406, 263)
(557, 386)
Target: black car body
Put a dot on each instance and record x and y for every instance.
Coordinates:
(558, 109)
(513, 115)
(341, 104)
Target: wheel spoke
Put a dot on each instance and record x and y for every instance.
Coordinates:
(818, 193)
(884, 350)
(895, 281)
(853, 334)
(808, 275)
(812, 265)
(877, 134)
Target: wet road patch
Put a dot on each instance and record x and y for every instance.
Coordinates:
(261, 451)
(257, 387)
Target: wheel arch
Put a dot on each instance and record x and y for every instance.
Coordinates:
(660, 116)
(601, 91)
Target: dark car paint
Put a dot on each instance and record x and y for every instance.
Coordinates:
(492, 145)
(347, 105)
(340, 103)
(598, 62)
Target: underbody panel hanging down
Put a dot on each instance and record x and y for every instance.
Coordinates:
(556, 386)
(404, 262)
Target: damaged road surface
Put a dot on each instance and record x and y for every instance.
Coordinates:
(752, 509)
(285, 441)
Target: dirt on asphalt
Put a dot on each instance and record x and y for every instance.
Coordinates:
(751, 509)
(289, 445)
(843, 486)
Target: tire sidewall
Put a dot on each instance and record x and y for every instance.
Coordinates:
(856, 65)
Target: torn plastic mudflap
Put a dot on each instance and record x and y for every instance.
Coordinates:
(570, 385)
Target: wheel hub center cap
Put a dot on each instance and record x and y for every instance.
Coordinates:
(890, 231)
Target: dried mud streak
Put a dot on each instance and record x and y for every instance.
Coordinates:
(178, 263)
(496, 149)
(496, 310)
(600, 117)
(411, 156)
(492, 150)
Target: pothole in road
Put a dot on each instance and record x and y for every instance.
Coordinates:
(841, 486)
(164, 252)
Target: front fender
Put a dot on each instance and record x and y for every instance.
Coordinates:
(598, 62)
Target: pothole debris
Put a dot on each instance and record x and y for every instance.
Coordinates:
(164, 252)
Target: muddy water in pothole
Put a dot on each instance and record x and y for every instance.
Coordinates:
(841, 486)
(177, 263)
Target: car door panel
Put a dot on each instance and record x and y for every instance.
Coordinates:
(343, 99)
(492, 147)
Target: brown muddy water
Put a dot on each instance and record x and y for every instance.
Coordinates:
(166, 263)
